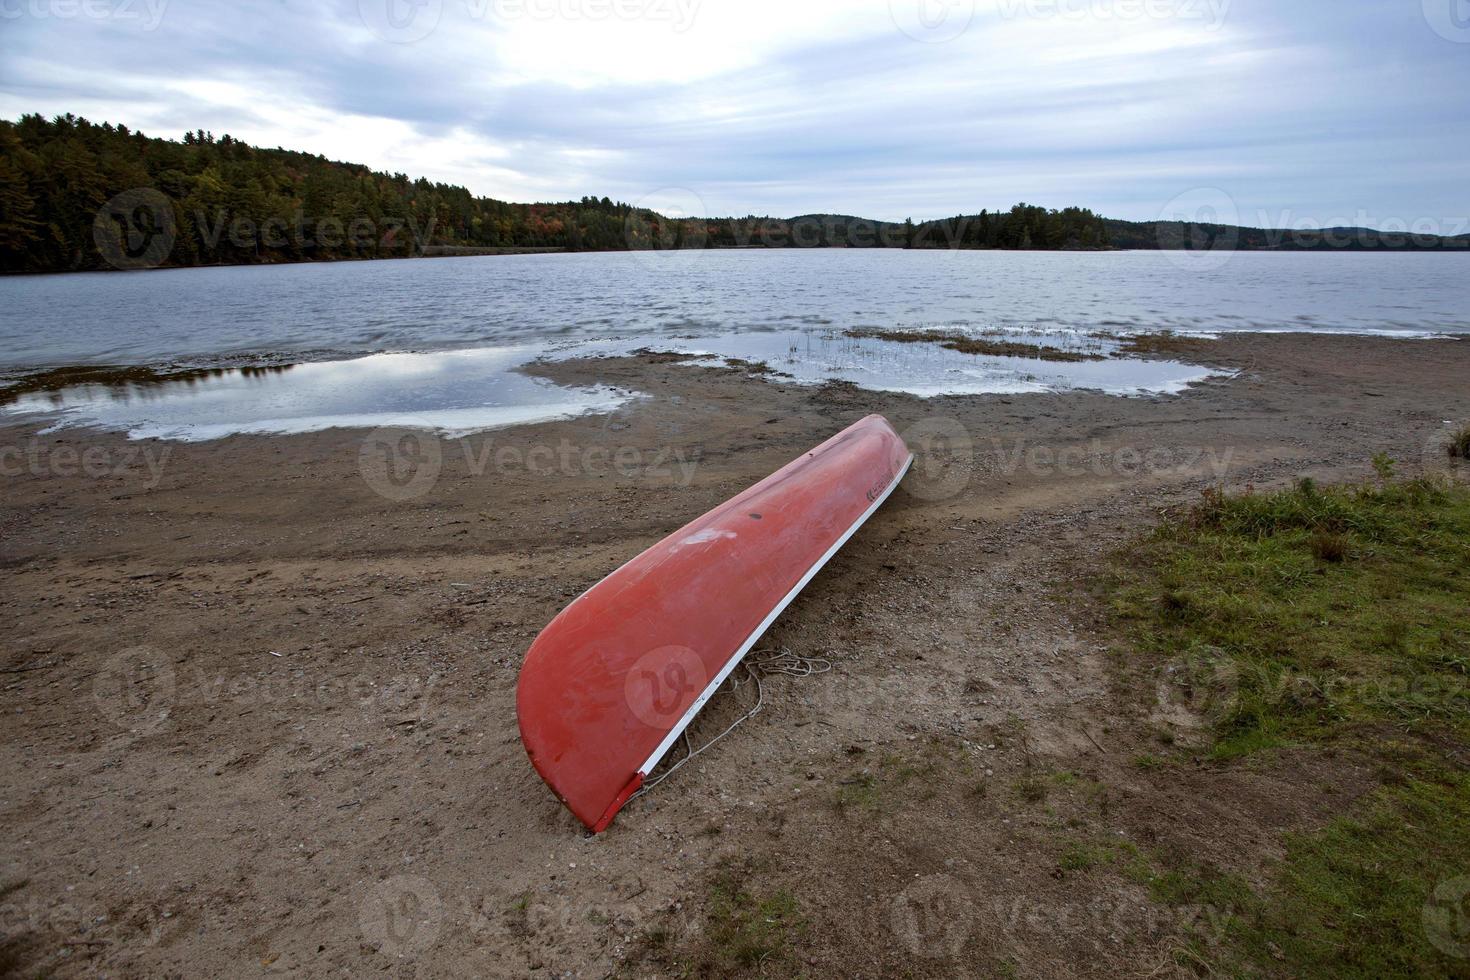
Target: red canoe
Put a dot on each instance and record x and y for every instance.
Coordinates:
(613, 681)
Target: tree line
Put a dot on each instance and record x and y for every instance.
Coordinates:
(76, 195)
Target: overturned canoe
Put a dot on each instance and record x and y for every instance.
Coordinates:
(613, 681)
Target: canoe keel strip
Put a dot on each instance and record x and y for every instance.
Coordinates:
(612, 682)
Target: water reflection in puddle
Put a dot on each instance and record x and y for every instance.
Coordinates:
(453, 391)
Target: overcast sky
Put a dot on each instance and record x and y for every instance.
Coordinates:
(1270, 111)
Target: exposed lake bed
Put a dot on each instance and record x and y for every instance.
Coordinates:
(269, 574)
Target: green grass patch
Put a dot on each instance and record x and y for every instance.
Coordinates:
(747, 933)
(1308, 614)
(858, 792)
(1030, 789)
(1313, 617)
(1458, 445)
(898, 781)
(1375, 895)
(1085, 857)
(1357, 899)
(1120, 855)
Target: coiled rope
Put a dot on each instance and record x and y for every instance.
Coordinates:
(758, 664)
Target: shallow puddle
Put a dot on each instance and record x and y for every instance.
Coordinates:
(452, 391)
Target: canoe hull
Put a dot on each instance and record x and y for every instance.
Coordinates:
(612, 682)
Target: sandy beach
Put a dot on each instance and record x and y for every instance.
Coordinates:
(259, 691)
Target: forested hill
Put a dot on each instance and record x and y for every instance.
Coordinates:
(76, 195)
(1180, 235)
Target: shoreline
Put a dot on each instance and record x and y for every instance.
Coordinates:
(496, 251)
(1144, 344)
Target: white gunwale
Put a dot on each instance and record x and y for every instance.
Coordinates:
(709, 691)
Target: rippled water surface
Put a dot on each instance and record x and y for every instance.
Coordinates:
(793, 310)
(432, 304)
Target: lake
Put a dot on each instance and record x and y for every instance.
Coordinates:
(790, 308)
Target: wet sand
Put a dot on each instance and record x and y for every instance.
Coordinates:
(259, 692)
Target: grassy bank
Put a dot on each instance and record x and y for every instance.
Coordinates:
(1327, 619)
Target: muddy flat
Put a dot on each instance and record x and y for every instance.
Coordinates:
(259, 711)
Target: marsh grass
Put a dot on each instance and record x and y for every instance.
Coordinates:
(748, 932)
(1340, 615)
(900, 781)
(1458, 445)
(966, 344)
(1335, 608)
(1373, 894)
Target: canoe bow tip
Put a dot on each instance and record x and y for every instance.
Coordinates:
(622, 799)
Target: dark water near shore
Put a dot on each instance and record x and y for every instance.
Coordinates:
(790, 309)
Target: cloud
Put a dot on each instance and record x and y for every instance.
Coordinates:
(923, 108)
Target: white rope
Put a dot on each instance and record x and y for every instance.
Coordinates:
(781, 661)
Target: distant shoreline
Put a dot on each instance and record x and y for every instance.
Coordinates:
(474, 251)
